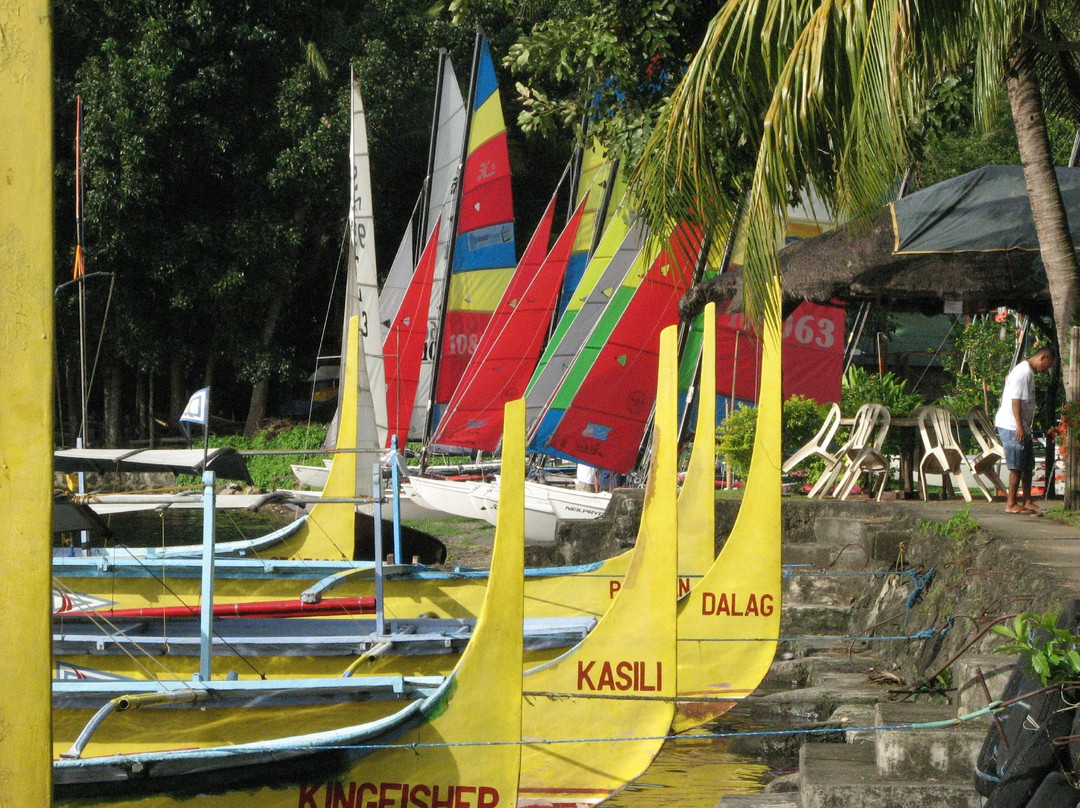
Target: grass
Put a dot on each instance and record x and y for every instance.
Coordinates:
(1058, 513)
(468, 541)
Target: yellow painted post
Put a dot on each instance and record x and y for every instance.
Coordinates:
(26, 334)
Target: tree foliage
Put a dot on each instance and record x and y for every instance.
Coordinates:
(981, 360)
(832, 96)
(802, 417)
(216, 174)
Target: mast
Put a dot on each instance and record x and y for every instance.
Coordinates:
(429, 416)
(602, 209)
(425, 193)
(79, 273)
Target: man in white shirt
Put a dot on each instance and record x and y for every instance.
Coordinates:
(1013, 422)
(585, 479)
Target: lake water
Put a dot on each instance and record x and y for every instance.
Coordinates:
(693, 770)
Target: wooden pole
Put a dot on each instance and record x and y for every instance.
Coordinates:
(26, 354)
(1072, 479)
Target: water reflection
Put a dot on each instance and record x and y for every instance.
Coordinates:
(695, 770)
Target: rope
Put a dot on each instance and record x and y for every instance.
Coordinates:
(990, 709)
(921, 582)
(922, 635)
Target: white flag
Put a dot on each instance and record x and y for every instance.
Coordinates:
(197, 410)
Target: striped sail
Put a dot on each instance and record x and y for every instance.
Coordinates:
(484, 252)
(599, 413)
(594, 182)
(606, 272)
(510, 348)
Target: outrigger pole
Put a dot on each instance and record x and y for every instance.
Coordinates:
(26, 347)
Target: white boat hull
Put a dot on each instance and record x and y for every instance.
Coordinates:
(411, 507)
(569, 504)
(312, 476)
(540, 519)
(449, 497)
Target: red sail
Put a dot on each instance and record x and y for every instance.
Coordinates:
(813, 354)
(510, 347)
(404, 346)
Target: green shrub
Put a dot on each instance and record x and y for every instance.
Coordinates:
(269, 471)
(984, 351)
(860, 387)
(735, 438)
(802, 419)
(1049, 652)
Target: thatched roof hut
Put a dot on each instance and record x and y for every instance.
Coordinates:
(967, 239)
(856, 262)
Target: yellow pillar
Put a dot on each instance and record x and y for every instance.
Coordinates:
(26, 334)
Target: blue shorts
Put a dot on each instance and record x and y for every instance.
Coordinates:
(1019, 455)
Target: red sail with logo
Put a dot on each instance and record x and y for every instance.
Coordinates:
(813, 354)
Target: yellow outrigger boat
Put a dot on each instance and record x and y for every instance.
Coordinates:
(314, 561)
(460, 745)
(727, 624)
(591, 721)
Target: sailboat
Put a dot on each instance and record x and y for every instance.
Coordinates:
(474, 257)
(610, 263)
(605, 358)
(499, 370)
(600, 409)
(310, 747)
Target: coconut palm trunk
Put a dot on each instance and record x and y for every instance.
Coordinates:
(1051, 224)
(1047, 208)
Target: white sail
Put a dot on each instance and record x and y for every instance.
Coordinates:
(399, 277)
(362, 299)
(362, 294)
(447, 151)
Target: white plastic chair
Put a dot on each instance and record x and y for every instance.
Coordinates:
(941, 451)
(861, 453)
(868, 436)
(991, 453)
(819, 444)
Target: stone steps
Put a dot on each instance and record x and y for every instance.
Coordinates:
(846, 776)
(996, 669)
(821, 681)
(924, 754)
(798, 620)
(788, 800)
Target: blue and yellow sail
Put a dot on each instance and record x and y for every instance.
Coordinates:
(484, 250)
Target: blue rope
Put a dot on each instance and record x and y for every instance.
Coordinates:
(922, 583)
(992, 708)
